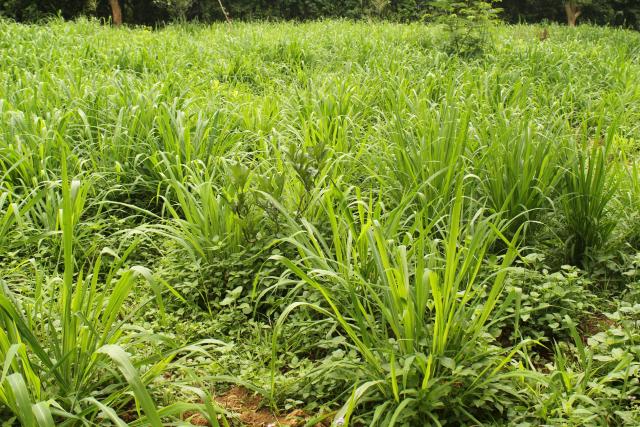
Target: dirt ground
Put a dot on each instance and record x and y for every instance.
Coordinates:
(250, 412)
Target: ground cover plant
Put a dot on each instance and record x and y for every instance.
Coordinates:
(329, 223)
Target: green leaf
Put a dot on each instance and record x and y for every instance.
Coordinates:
(121, 358)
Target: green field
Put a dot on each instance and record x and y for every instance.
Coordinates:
(312, 224)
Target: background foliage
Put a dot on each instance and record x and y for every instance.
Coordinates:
(611, 12)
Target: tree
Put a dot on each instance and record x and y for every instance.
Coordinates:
(116, 12)
(466, 24)
(573, 11)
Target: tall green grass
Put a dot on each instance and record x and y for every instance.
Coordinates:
(415, 310)
(349, 190)
(53, 345)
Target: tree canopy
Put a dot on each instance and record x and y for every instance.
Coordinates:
(609, 12)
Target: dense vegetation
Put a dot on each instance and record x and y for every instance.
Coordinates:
(149, 12)
(345, 218)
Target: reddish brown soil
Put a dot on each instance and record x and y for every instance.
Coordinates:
(250, 412)
(594, 324)
(247, 408)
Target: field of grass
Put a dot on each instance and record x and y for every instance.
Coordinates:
(313, 224)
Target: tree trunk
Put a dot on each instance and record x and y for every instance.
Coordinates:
(573, 12)
(116, 12)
